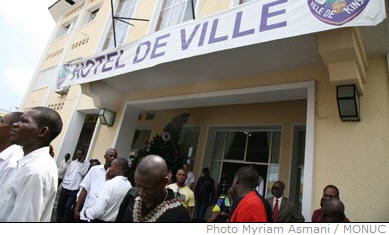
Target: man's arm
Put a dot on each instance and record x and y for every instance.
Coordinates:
(79, 203)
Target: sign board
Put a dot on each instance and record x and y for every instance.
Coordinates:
(256, 22)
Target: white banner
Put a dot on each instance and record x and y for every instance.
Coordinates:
(256, 22)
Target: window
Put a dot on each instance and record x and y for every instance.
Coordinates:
(174, 12)
(233, 148)
(65, 29)
(92, 15)
(141, 137)
(125, 9)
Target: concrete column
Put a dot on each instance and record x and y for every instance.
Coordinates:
(126, 130)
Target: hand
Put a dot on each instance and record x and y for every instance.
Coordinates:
(76, 214)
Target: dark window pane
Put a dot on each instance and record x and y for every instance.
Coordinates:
(140, 139)
(258, 147)
(275, 148)
(235, 146)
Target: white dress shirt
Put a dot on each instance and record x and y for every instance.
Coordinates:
(29, 194)
(74, 174)
(108, 203)
(190, 178)
(93, 183)
(8, 160)
(279, 202)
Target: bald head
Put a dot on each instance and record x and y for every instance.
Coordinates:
(152, 165)
(333, 211)
(151, 177)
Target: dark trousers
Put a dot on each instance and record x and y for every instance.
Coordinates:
(201, 207)
(66, 200)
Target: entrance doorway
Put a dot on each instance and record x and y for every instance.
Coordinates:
(86, 132)
(230, 148)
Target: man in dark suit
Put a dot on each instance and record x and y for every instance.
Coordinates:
(283, 210)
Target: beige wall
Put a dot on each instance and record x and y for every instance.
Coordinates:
(208, 7)
(354, 155)
(66, 108)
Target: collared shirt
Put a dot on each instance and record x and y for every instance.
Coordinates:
(30, 193)
(8, 160)
(93, 183)
(190, 179)
(74, 174)
(108, 203)
(279, 202)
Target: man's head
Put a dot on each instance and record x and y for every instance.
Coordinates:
(6, 124)
(181, 177)
(38, 126)
(333, 211)
(151, 177)
(110, 155)
(278, 189)
(185, 166)
(67, 157)
(329, 191)
(80, 155)
(206, 171)
(246, 179)
(118, 167)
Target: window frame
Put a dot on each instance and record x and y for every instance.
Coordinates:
(154, 24)
(109, 30)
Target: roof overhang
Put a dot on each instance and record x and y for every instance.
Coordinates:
(58, 8)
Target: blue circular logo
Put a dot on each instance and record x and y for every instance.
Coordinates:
(336, 12)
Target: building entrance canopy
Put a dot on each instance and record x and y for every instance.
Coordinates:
(257, 22)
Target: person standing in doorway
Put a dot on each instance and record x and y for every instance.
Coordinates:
(204, 193)
(63, 166)
(70, 186)
(283, 209)
(183, 193)
(190, 178)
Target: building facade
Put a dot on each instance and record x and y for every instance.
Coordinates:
(261, 85)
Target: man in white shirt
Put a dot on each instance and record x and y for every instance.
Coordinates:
(108, 203)
(29, 194)
(76, 171)
(190, 178)
(9, 154)
(63, 166)
(92, 185)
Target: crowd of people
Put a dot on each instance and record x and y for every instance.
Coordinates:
(94, 192)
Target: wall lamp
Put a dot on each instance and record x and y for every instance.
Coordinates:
(107, 117)
(348, 103)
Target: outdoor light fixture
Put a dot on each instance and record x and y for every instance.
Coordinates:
(348, 102)
(107, 117)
